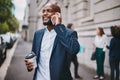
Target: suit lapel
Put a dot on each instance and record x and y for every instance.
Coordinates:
(40, 38)
(39, 43)
(54, 45)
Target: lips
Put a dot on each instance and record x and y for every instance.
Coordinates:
(45, 19)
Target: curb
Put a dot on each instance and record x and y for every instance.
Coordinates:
(6, 63)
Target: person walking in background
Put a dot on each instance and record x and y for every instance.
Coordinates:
(73, 58)
(114, 53)
(52, 45)
(100, 44)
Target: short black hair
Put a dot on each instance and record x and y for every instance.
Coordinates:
(115, 31)
(69, 25)
(55, 7)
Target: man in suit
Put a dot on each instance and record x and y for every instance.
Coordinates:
(51, 46)
(73, 57)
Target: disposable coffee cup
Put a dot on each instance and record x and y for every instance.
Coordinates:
(31, 57)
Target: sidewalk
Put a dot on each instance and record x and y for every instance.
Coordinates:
(17, 69)
(86, 73)
(5, 65)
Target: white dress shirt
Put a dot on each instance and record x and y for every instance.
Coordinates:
(43, 72)
(101, 42)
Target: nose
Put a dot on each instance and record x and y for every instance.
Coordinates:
(45, 12)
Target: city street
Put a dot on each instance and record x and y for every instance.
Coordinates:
(95, 25)
(17, 69)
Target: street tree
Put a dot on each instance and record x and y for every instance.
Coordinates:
(6, 7)
(4, 28)
(13, 23)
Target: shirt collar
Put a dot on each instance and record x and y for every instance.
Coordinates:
(46, 30)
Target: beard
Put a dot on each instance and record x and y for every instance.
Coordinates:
(49, 23)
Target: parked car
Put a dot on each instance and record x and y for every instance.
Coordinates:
(12, 38)
(8, 40)
(3, 50)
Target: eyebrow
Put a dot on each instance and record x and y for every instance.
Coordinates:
(49, 10)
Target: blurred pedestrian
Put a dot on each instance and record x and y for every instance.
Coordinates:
(114, 53)
(51, 46)
(100, 45)
(73, 57)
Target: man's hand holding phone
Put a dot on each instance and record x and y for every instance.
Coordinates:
(56, 19)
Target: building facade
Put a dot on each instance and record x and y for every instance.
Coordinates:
(86, 15)
(30, 19)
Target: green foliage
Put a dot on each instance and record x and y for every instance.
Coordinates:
(13, 23)
(3, 28)
(6, 7)
(8, 21)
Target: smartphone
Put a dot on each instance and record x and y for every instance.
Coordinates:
(55, 18)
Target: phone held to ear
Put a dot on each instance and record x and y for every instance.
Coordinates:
(55, 19)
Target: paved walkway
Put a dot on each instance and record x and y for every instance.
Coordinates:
(5, 65)
(17, 69)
